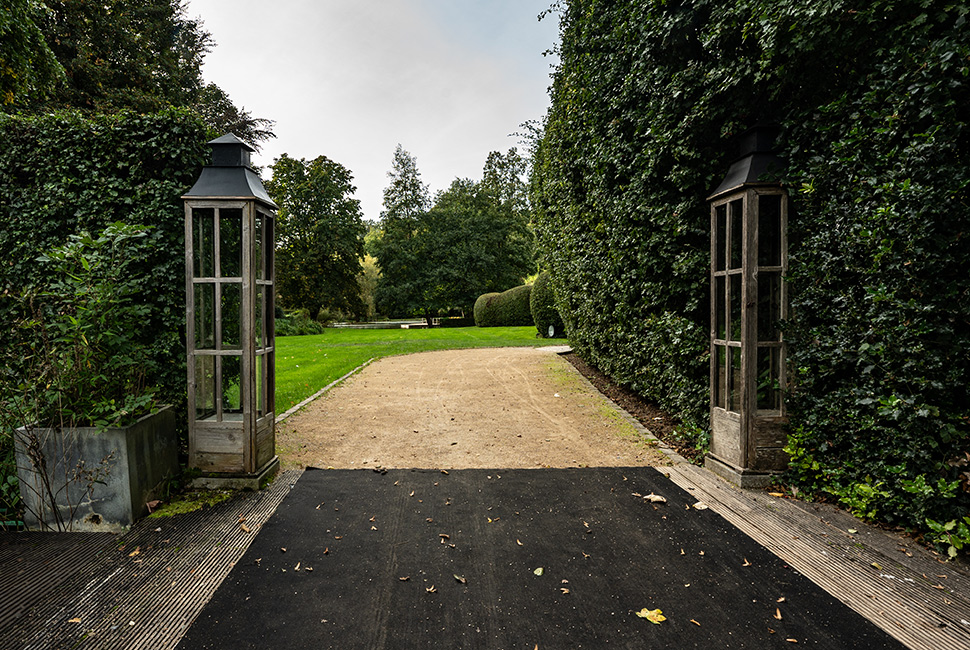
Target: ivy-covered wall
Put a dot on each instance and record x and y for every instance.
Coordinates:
(61, 174)
(874, 100)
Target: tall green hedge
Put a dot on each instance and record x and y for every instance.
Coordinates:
(61, 174)
(874, 100)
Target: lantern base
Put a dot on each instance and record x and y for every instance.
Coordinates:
(254, 481)
(743, 478)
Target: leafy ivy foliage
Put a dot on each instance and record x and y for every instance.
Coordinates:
(874, 100)
(61, 175)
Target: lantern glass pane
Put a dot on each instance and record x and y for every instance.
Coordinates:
(735, 301)
(720, 236)
(720, 376)
(231, 323)
(203, 242)
(769, 230)
(720, 307)
(205, 387)
(260, 391)
(734, 380)
(269, 237)
(231, 388)
(230, 242)
(736, 215)
(769, 376)
(205, 316)
(258, 246)
(258, 320)
(769, 305)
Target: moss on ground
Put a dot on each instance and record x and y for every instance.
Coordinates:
(190, 502)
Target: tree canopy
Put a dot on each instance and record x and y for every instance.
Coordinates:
(112, 55)
(319, 236)
(473, 240)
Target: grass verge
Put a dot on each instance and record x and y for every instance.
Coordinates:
(305, 364)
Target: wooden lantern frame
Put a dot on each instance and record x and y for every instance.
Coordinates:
(749, 298)
(230, 324)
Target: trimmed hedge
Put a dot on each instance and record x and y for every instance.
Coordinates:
(507, 309)
(542, 303)
(647, 103)
(61, 174)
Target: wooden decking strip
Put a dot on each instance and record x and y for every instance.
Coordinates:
(900, 598)
(148, 599)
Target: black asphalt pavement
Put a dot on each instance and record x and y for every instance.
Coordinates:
(542, 558)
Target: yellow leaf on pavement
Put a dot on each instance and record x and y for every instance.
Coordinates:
(653, 615)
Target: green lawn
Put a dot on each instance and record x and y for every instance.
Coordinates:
(305, 364)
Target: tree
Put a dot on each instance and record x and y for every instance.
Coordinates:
(475, 239)
(405, 204)
(320, 231)
(113, 55)
(29, 71)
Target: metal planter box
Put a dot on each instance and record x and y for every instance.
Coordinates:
(101, 480)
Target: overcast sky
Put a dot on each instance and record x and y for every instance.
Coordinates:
(450, 80)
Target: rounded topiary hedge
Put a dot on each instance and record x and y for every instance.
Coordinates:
(542, 302)
(507, 309)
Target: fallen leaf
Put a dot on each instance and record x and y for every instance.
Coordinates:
(792, 640)
(519, 543)
(776, 494)
(245, 528)
(297, 567)
(337, 537)
(682, 552)
(460, 579)
(282, 550)
(412, 493)
(777, 613)
(700, 505)
(780, 600)
(938, 587)
(374, 518)
(309, 568)
(373, 527)
(564, 590)
(853, 531)
(654, 498)
(404, 578)
(876, 565)
(135, 552)
(326, 551)
(746, 563)
(539, 571)
(431, 589)
(655, 616)
(701, 553)
(74, 620)
(444, 471)
(695, 622)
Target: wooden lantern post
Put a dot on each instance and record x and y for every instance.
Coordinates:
(230, 327)
(749, 257)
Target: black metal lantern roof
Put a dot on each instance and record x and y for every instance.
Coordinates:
(229, 176)
(757, 163)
